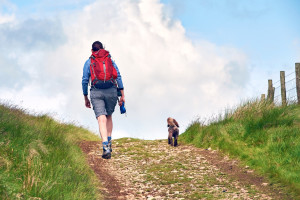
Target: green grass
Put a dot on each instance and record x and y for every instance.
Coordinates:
(40, 158)
(264, 136)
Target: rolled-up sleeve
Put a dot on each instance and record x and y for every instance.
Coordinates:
(119, 78)
(86, 77)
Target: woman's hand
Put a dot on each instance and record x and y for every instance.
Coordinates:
(122, 99)
(87, 102)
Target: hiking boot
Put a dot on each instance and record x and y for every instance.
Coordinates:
(109, 144)
(106, 152)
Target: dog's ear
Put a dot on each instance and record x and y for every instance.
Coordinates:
(176, 123)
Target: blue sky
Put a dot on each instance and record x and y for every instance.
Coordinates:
(265, 29)
(180, 59)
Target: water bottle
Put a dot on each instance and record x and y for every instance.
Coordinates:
(122, 108)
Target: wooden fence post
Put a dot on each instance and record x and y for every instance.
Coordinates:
(263, 97)
(273, 94)
(271, 90)
(283, 89)
(297, 70)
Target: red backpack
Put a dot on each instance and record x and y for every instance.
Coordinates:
(101, 67)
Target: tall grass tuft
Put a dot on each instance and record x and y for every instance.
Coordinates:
(40, 158)
(264, 136)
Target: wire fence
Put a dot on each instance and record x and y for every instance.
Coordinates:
(287, 84)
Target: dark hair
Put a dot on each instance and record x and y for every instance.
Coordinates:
(97, 45)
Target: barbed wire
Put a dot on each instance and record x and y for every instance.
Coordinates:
(290, 74)
(293, 97)
(290, 80)
(277, 96)
(291, 89)
(276, 82)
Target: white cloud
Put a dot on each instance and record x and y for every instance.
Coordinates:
(34, 99)
(6, 18)
(164, 73)
(6, 12)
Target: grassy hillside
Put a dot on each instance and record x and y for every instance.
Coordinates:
(40, 158)
(264, 136)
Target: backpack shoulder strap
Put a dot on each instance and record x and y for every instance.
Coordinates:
(93, 70)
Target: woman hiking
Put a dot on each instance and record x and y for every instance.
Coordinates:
(105, 78)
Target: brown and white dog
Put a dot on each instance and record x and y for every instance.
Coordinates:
(173, 131)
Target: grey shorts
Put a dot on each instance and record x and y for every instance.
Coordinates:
(104, 100)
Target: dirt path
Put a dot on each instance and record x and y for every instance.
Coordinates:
(153, 170)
